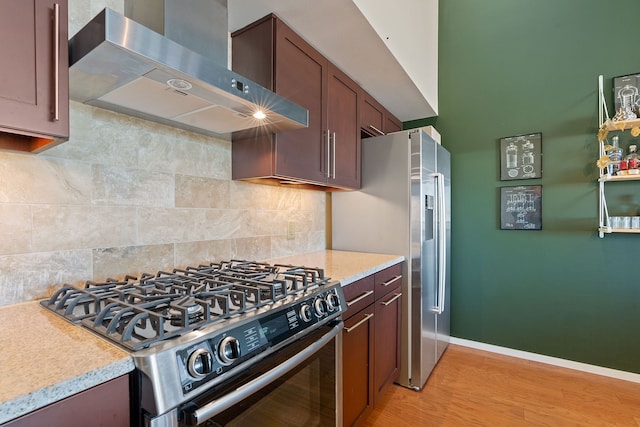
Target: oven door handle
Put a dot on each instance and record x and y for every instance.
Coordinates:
(213, 408)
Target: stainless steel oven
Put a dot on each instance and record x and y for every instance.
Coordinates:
(235, 343)
(301, 385)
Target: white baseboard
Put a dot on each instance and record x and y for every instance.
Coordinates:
(556, 361)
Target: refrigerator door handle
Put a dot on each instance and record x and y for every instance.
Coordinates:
(442, 236)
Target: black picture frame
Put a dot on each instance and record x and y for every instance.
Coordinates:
(629, 86)
(521, 207)
(521, 157)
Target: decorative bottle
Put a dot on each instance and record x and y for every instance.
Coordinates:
(633, 160)
(615, 157)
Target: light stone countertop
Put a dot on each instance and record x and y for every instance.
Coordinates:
(45, 358)
(347, 267)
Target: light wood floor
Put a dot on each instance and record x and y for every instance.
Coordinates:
(475, 388)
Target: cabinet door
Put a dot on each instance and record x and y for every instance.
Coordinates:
(357, 362)
(388, 311)
(32, 101)
(392, 123)
(301, 76)
(344, 130)
(371, 116)
(105, 405)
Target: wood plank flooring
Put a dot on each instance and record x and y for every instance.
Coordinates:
(471, 387)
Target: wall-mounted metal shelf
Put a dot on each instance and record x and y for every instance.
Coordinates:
(604, 221)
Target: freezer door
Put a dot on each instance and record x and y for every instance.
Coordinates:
(424, 205)
(443, 318)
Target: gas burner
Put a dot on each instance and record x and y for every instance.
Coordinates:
(144, 311)
(185, 310)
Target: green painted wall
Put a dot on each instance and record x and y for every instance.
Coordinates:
(510, 67)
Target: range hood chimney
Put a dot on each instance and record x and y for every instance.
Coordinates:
(172, 70)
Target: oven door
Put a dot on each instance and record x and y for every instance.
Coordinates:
(301, 385)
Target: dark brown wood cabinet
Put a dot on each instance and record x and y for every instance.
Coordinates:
(344, 134)
(105, 405)
(375, 119)
(392, 123)
(372, 118)
(327, 153)
(388, 318)
(34, 76)
(358, 366)
(371, 341)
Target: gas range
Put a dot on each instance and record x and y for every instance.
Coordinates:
(140, 312)
(193, 328)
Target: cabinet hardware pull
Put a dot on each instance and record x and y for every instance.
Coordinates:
(387, 283)
(395, 297)
(366, 317)
(360, 298)
(375, 129)
(328, 154)
(334, 155)
(56, 62)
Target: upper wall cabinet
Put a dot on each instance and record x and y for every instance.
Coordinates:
(376, 120)
(325, 154)
(392, 123)
(34, 75)
(343, 130)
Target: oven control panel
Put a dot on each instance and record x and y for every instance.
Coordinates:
(210, 358)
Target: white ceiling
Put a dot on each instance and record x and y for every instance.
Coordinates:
(339, 30)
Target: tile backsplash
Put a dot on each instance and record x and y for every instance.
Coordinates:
(125, 195)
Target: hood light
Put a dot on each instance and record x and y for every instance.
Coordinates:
(179, 84)
(259, 115)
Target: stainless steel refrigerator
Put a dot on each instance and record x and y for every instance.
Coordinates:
(404, 207)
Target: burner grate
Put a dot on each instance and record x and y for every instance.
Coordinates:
(139, 312)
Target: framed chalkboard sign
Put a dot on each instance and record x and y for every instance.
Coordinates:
(521, 157)
(521, 207)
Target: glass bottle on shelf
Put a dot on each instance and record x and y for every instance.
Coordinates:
(633, 160)
(615, 157)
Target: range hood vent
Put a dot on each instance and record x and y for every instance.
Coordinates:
(120, 65)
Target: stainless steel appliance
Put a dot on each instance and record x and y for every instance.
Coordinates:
(167, 62)
(229, 343)
(404, 207)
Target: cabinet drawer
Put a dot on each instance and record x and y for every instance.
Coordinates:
(358, 295)
(387, 280)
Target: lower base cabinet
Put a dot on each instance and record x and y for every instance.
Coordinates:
(370, 341)
(357, 366)
(388, 312)
(105, 405)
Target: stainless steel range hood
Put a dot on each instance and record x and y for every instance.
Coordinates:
(121, 65)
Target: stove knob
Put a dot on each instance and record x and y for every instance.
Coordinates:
(333, 302)
(321, 307)
(305, 313)
(200, 363)
(229, 350)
